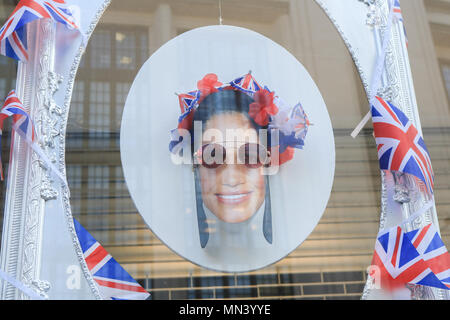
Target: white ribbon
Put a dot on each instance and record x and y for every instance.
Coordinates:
(412, 217)
(43, 156)
(378, 72)
(419, 212)
(19, 285)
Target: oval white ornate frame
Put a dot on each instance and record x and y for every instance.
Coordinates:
(30, 188)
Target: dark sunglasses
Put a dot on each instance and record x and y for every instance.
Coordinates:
(252, 155)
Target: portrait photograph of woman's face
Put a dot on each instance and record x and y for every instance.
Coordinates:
(217, 202)
(232, 191)
(231, 158)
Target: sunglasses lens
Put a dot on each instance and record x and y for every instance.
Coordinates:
(213, 155)
(253, 155)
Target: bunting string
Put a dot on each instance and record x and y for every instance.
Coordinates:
(23, 125)
(19, 285)
(419, 256)
(378, 71)
(13, 41)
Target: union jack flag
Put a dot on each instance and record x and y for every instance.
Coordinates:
(21, 120)
(113, 281)
(12, 34)
(299, 116)
(246, 84)
(400, 263)
(398, 15)
(188, 102)
(400, 146)
(430, 246)
(397, 10)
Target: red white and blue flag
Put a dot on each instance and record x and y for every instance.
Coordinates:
(400, 146)
(12, 34)
(23, 125)
(400, 263)
(397, 10)
(21, 120)
(399, 17)
(430, 246)
(246, 84)
(188, 100)
(113, 281)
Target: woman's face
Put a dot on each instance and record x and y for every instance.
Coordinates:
(232, 191)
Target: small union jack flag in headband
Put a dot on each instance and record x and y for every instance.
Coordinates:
(400, 145)
(21, 120)
(246, 84)
(266, 110)
(13, 36)
(113, 281)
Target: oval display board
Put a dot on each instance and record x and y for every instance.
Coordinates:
(237, 215)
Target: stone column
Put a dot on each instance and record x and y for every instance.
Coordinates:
(162, 27)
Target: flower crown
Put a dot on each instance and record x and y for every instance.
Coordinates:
(266, 110)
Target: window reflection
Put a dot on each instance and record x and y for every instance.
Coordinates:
(100, 108)
(446, 75)
(101, 49)
(122, 89)
(125, 50)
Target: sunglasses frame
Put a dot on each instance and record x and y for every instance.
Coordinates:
(199, 156)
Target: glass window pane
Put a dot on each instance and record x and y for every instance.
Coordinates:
(100, 45)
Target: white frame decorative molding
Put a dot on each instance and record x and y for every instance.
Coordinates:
(30, 188)
(397, 87)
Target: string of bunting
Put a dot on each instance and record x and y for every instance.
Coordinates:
(395, 15)
(418, 256)
(19, 285)
(13, 40)
(114, 282)
(23, 125)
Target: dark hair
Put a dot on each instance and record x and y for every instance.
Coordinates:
(226, 101)
(223, 101)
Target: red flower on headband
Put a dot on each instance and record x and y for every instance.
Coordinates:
(277, 158)
(208, 84)
(262, 107)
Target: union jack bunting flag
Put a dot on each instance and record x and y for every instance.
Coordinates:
(246, 84)
(12, 34)
(398, 15)
(430, 246)
(188, 100)
(400, 146)
(400, 263)
(113, 281)
(300, 117)
(21, 120)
